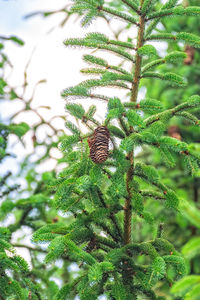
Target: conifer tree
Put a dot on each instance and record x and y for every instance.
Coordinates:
(182, 228)
(106, 198)
(113, 203)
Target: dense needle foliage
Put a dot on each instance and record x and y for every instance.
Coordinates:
(114, 212)
(182, 228)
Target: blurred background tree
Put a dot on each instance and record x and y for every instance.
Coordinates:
(182, 229)
(180, 128)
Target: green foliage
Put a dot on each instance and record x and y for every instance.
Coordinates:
(17, 40)
(63, 292)
(10, 262)
(134, 119)
(171, 78)
(158, 269)
(75, 110)
(96, 271)
(108, 218)
(118, 291)
(147, 50)
(179, 10)
(191, 248)
(188, 283)
(189, 210)
(116, 131)
(93, 41)
(189, 38)
(148, 105)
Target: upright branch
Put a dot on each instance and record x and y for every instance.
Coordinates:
(128, 211)
(138, 61)
(134, 93)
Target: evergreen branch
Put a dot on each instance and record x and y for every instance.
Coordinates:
(108, 231)
(83, 90)
(98, 71)
(94, 83)
(112, 216)
(103, 63)
(189, 38)
(94, 44)
(161, 36)
(87, 118)
(93, 71)
(149, 105)
(147, 6)
(162, 244)
(106, 242)
(29, 248)
(159, 185)
(145, 291)
(117, 225)
(152, 194)
(145, 247)
(101, 97)
(172, 78)
(118, 51)
(124, 126)
(177, 11)
(191, 118)
(168, 5)
(91, 59)
(119, 14)
(114, 76)
(103, 39)
(133, 5)
(148, 50)
(118, 69)
(126, 45)
(194, 101)
(150, 120)
(153, 64)
(170, 58)
(104, 248)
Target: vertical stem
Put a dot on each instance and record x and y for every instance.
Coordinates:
(134, 93)
(138, 60)
(127, 209)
